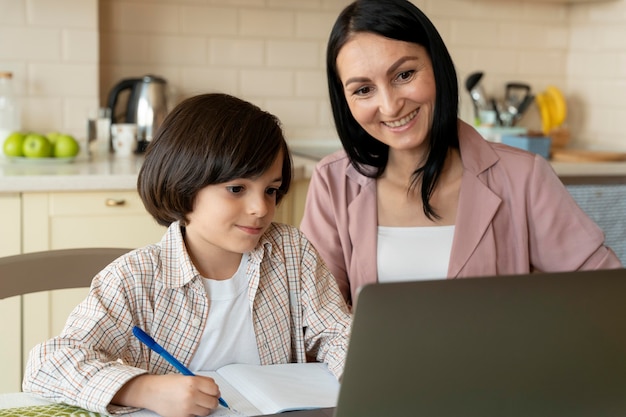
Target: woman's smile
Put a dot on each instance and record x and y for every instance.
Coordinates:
(403, 121)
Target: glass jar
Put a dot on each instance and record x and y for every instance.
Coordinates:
(10, 117)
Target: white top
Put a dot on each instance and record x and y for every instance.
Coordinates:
(413, 253)
(228, 335)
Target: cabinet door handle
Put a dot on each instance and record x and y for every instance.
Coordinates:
(112, 202)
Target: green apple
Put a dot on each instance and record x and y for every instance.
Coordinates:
(52, 137)
(13, 144)
(65, 146)
(36, 146)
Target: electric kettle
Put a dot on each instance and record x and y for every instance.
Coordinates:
(146, 106)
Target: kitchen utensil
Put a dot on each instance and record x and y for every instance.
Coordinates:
(521, 109)
(477, 93)
(515, 94)
(146, 106)
(494, 106)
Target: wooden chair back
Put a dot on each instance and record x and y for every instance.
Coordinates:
(54, 269)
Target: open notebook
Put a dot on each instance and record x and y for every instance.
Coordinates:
(250, 390)
(535, 345)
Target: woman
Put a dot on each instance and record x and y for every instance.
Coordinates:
(416, 193)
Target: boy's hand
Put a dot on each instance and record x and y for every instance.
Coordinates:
(170, 395)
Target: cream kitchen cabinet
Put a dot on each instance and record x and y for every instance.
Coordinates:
(59, 220)
(297, 198)
(291, 208)
(10, 324)
(63, 220)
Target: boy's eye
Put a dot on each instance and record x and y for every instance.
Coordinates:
(235, 189)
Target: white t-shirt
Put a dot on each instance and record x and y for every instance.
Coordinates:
(413, 253)
(228, 335)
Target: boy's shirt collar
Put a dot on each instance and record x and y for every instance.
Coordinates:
(179, 270)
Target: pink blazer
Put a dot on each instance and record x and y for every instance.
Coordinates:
(514, 216)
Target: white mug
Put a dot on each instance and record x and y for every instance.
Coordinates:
(124, 137)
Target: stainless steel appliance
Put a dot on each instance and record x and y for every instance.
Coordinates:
(146, 105)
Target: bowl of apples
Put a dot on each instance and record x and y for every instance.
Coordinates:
(37, 148)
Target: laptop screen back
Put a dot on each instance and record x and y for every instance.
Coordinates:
(534, 345)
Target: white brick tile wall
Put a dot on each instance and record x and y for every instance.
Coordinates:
(267, 23)
(202, 80)
(23, 43)
(209, 21)
(267, 83)
(139, 17)
(311, 84)
(314, 24)
(234, 3)
(236, 53)
(124, 49)
(79, 46)
(13, 12)
(44, 114)
(178, 50)
(292, 112)
(62, 80)
(76, 110)
(51, 46)
(67, 14)
(71, 52)
(296, 4)
(293, 54)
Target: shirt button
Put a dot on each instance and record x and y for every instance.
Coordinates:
(195, 322)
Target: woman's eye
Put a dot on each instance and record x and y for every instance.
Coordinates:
(235, 189)
(405, 75)
(363, 91)
(272, 191)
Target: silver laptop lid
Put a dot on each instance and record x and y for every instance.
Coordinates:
(535, 345)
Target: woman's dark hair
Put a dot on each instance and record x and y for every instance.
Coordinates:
(403, 21)
(208, 139)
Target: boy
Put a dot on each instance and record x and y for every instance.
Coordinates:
(224, 285)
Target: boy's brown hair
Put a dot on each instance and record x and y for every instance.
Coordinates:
(208, 139)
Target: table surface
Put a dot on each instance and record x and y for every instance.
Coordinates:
(22, 399)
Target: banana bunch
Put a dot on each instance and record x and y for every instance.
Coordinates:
(552, 108)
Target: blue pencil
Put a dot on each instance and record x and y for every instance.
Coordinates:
(152, 344)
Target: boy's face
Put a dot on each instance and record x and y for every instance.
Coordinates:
(229, 218)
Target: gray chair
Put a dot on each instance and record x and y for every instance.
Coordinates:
(53, 270)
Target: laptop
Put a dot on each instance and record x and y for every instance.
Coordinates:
(551, 344)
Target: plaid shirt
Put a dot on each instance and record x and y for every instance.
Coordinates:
(298, 311)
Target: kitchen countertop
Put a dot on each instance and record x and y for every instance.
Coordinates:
(82, 174)
(114, 173)
(569, 172)
(103, 173)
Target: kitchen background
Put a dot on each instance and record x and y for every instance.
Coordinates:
(67, 54)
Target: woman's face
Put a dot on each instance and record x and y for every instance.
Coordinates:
(390, 88)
